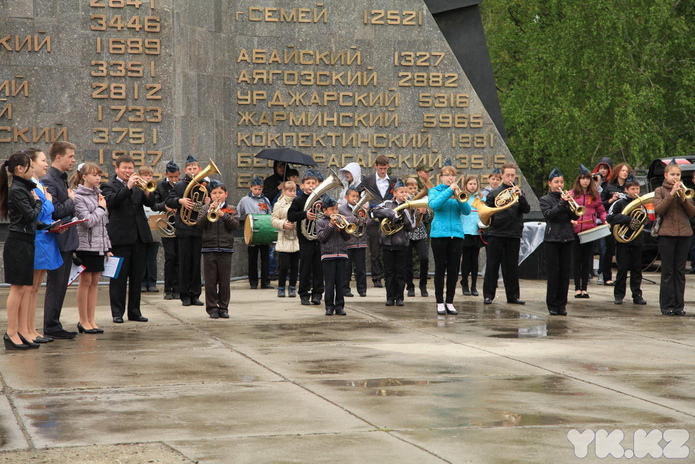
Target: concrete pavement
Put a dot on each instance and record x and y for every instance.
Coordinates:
(280, 382)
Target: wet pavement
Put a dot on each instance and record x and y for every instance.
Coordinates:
(280, 382)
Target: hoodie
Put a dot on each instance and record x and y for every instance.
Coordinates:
(606, 161)
(356, 171)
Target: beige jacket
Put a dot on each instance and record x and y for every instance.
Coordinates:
(674, 213)
(287, 238)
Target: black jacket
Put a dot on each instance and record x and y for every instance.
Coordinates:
(127, 220)
(607, 193)
(509, 222)
(558, 215)
(56, 182)
(23, 208)
(369, 183)
(400, 239)
(297, 215)
(161, 194)
(217, 236)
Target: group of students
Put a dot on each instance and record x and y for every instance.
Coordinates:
(605, 194)
(325, 265)
(57, 223)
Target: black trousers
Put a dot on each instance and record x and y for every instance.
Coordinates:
(374, 246)
(310, 268)
(583, 262)
(629, 259)
(171, 265)
(333, 276)
(126, 288)
(504, 251)
(189, 267)
(289, 266)
(674, 254)
(558, 259)
(607, 272)
(357, 258)
(420, 247)
(447, 258)
(394, 270)
(218, 271)
(149, 277)
(56, 286)
(469, 265)
(254, 252)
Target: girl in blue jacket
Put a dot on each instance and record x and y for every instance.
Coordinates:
(446, 237)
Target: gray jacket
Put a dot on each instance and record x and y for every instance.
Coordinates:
(399, 239)
(333, 240)
(92, 234)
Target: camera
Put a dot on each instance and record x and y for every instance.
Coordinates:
(596, 176)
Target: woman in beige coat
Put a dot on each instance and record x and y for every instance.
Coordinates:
(287, 245)
(674, 239)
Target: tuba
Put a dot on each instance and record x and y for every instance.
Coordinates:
(197, 191)
(389, 228)
(361, 214)
(625, 233)
(314, 204)
(505, 199)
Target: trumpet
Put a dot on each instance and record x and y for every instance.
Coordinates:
(574, 206)
(685, 193)
(146, 186)
(460, 195)
(342, 223)
(214, 212)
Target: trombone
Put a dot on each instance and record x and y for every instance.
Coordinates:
(576, 208)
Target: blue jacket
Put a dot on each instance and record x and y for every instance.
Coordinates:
(447, 212)
(470, 222)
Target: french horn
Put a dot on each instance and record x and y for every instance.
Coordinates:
(505, 199)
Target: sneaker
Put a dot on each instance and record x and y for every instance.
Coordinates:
(281, 292)
(292, 292)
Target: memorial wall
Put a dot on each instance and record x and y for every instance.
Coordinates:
(222, 80)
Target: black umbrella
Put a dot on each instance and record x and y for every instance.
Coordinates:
(287, 155)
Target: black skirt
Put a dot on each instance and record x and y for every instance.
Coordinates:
(91, 260)
(18, 256)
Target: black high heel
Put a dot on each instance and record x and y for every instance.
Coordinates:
(27, 342)
(87, 331)
(10, 345)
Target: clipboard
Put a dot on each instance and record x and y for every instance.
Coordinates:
(75, 272)
(112, 267)
(66, 225)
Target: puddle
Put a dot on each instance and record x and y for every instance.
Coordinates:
(382, 387)
(551, 329)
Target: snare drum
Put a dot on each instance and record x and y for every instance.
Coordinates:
(258, 230)
(594, 234)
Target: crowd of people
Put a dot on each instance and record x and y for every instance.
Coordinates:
(59, 222)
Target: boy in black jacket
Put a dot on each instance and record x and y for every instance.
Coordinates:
(333, 256)
(217, 249)
(628, 255)
(395, 246)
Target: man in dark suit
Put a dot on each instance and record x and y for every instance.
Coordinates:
(380, 185)
(171, 257)
(56, 182)
(128, 231)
